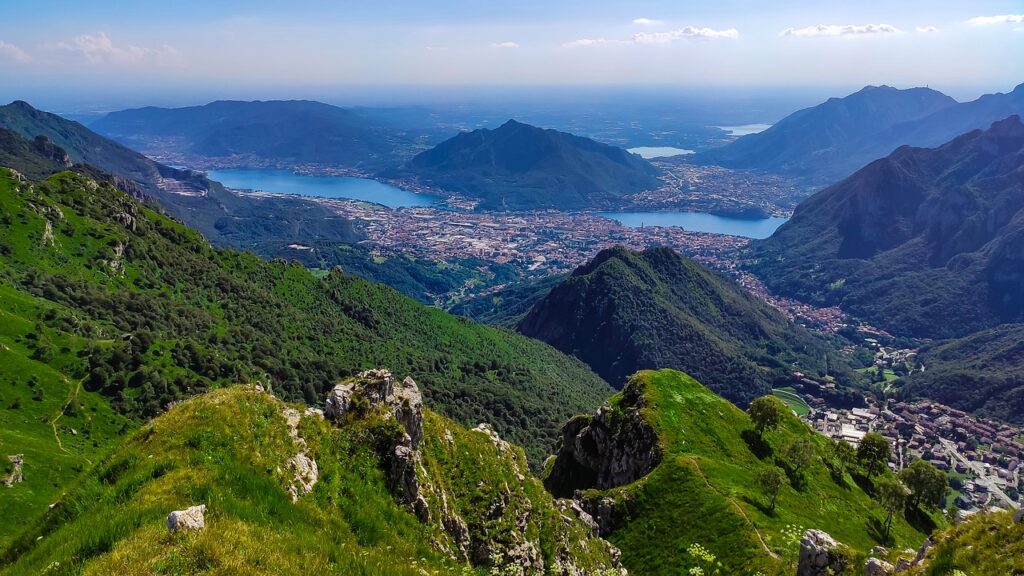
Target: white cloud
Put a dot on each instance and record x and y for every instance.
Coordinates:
(683, 33)
(13, 53)
(926, 29)
(100, 49)
(504, 45)
(1002, 19)
(645, 21)
(588, 42)
(841, 30)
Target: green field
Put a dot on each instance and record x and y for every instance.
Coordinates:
(792, 399)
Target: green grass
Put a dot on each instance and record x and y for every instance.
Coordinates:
(986, 544)
(45, 413)
(794, 401)
(227, 449)
(705, 491)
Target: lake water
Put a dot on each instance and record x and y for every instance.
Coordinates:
(699, 222)
(659, 151)
(285, 182)
(744, 129)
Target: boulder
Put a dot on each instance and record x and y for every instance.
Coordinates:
(820, 555)
(1019, 516)
(879, 551)
(876, 567)
(191, 518)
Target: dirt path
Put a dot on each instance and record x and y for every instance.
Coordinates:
(739, 509)
(72, 395)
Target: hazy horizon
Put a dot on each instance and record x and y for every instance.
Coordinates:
(81, 57)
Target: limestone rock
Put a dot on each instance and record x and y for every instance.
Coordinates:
(820, 555)
(305, 471)
(878, 551)
(1019, 516)
(876, 567)
(378, 388)
(191, 518)
(613, 447)
(374, 390)
(16, 475)
(922, 551)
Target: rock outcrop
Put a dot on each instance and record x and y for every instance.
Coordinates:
(1018, 517)
(305, 472)
(876, 567)
(191, 518)
(16, 475)
(376, 391)
(613, 447)
(821, 555)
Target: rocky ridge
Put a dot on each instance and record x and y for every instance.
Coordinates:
(489, 520)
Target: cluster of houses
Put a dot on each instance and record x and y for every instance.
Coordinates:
(983, 457)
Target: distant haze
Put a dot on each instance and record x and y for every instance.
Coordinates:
(86, 55)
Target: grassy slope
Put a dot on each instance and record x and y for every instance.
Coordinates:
(704, 491)
(214, 317)
(987, 544)
(45, 413)
(227, 449)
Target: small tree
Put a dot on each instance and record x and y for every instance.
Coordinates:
(766, 412)
(799, 454)
(873, 453)
(843, 455)
(892, 495)
(771, 479)
(927, 483)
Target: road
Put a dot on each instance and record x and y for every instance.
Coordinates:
(979, 470)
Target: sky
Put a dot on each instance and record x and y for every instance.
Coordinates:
(194, 49)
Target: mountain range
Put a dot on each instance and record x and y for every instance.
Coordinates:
(827, 142)
(626, 311)
(521, 167)
(287, 133)
(221, 216)
(924, 242)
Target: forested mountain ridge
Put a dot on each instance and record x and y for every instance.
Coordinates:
(924, 243)
(626, 311)
(817, 142)
(162, 315)
(521, 167)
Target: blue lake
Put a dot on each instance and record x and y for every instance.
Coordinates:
(649, 152)
(285, 182)
(699, 222)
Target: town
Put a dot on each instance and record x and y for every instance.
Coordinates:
(981, 457)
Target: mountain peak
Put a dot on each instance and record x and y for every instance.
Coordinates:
(519, 166)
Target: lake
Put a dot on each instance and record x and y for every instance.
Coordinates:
(286, 182)
(699, 222)
(744, 129)
(649, 152)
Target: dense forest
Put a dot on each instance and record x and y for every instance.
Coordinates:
(167, 316)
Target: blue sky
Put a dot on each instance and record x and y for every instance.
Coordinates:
(963, 48)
